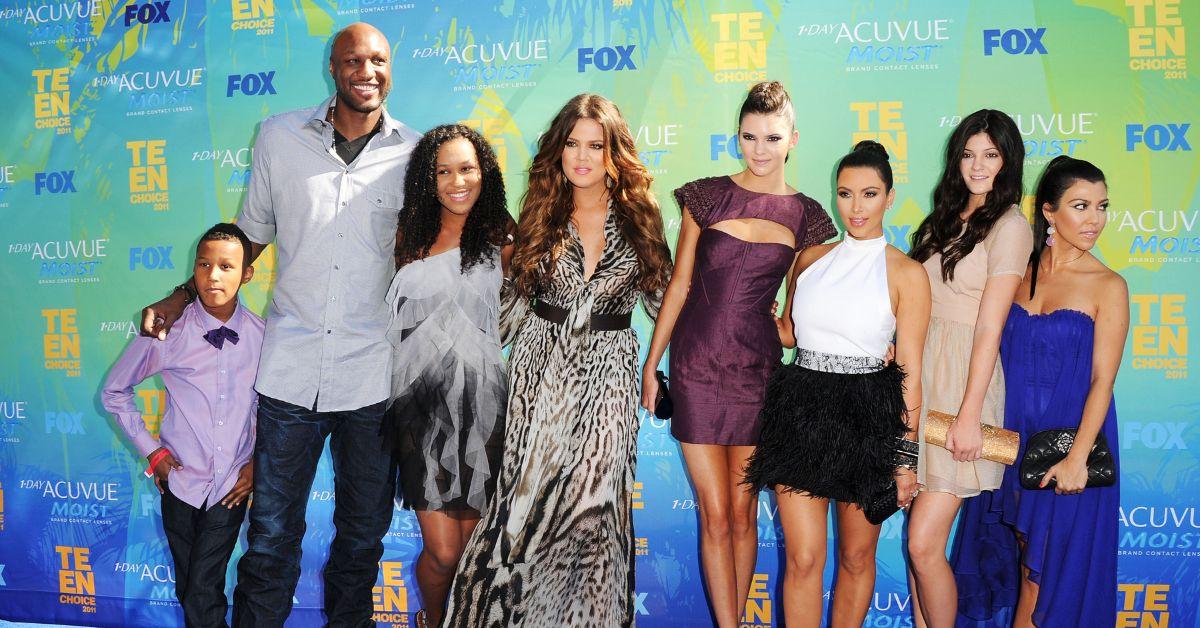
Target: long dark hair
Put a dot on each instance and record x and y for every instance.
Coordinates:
(941, 229)
(547, 205)
(487, 225)
(1060, 174)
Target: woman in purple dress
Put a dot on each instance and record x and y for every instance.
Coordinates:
(1060, 350)
(739, 236)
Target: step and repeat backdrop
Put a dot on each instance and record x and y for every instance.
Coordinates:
(130, 129)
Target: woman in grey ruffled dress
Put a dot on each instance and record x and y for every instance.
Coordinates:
(449, 383)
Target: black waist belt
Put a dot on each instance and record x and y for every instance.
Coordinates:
(598, 322)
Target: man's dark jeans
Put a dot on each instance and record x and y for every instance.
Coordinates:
(289, 443)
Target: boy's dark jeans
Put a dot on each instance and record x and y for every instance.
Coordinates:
(289, 443)
(201, 541)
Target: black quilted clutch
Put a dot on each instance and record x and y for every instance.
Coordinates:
(1047, 448)
(882, 504)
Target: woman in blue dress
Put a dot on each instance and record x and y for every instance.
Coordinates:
(1061, 348)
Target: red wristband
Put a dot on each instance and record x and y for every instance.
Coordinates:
(156, 458)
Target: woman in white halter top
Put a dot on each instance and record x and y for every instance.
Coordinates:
(840, 422)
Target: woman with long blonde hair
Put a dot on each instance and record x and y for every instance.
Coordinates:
(555, 547)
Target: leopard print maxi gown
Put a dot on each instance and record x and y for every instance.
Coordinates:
(555, 546)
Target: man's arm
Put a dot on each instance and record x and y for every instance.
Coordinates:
(257, 220)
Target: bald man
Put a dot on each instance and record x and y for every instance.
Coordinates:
(326, 187)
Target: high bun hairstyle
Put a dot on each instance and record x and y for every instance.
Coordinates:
(869, 154)
(768, 98)
(1060, 174)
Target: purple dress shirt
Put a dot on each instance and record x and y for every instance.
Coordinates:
(209, 421)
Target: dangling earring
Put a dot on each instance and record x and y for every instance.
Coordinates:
(609, 182)
(1050, 231)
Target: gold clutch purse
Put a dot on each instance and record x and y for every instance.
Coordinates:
(999, 445)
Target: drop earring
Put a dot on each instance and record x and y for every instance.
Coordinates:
(1050, 231)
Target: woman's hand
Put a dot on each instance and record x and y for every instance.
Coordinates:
(906, 487)
(1070, 476)
(964, 439)
(649, 389)
(786, 337)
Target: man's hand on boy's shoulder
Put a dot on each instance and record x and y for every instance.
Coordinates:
(157, 318)
(242, 489)
(163, 468)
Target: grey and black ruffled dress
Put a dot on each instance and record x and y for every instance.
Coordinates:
(449, 382)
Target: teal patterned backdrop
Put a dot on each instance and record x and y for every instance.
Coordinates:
(129, 130)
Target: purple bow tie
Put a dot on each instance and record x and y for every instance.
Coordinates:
(217, 337)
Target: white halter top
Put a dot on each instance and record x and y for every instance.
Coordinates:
(842, 306)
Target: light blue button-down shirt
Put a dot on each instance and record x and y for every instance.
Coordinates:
(334, 228)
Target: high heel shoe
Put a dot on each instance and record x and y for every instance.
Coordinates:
(422, 618)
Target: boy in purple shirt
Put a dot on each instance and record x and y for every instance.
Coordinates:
(202, 461)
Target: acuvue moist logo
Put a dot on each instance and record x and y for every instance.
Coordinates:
(232, 164)
(64, 261)
(60, 23)
(491, 65)
(7, 178)
(1046, 135)
(888, 45)
(654, 145)
(153, 92)
(1159, 236)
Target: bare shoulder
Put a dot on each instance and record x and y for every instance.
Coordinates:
(906, 267)
(1112, 286)
(813, 253)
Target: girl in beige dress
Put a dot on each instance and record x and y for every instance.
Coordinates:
(974, 245)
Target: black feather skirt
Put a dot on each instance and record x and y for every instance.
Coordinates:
(827, 433)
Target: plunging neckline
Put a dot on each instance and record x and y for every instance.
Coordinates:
(583, 249)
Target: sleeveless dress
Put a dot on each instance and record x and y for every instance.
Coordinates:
(955, 306)
(555, 546)
(831, 419)
(449, 386)
(1071, 540)
(725, 345)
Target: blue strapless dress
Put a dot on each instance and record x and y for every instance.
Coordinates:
(1071, 540)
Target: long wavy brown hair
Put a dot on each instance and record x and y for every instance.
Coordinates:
(547, 205)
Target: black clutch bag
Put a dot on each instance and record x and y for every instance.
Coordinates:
(882, 504)
(663, 407)
(1048, 447)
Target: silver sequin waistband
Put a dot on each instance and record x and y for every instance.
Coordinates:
(830, 363)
